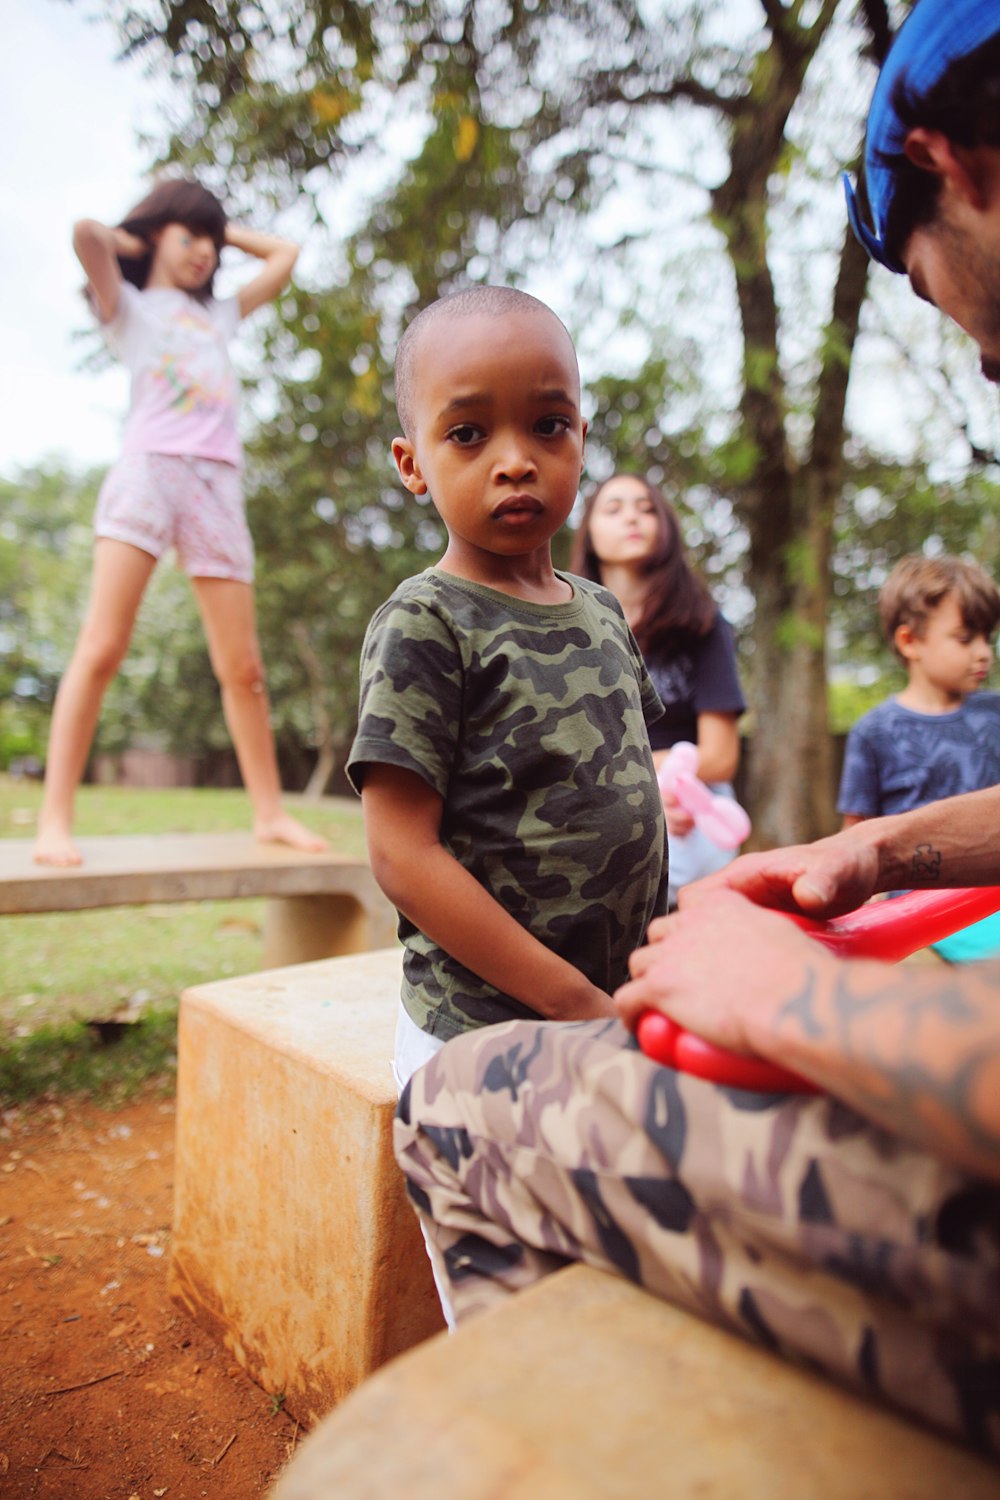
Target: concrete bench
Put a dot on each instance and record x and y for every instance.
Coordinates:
(587, 1388)
(318, 905)
(293, 1239)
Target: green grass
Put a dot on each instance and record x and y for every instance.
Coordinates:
(60, 970)
(71, 1059)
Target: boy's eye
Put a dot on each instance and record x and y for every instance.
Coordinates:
(549, 426)
(465, 435)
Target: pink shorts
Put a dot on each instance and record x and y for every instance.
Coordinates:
(161, 500)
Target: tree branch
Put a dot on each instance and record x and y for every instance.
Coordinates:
(876, 16)
(841, 335)
(608, 91)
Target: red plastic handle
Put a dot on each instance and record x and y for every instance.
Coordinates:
(886, 930)
(666, 1042)
(891, 930)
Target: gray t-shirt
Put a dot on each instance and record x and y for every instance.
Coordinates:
(530, 722)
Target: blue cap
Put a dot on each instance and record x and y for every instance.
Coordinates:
(936, 34)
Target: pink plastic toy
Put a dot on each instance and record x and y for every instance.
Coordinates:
(885, 930)
(719, 818)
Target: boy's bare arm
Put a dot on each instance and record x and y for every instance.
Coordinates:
(430, 887)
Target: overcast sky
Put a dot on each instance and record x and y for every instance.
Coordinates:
(69, 114)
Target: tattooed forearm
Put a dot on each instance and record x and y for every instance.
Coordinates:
(926, 864)
(916, 1051)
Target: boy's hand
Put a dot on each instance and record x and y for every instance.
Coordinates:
(587, 1003)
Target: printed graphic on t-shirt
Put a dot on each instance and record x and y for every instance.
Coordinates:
(194, 368)
(674, 679)
(897, 759)
(184, 393)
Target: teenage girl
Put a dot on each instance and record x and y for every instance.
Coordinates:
(176, 484)
(630, 540)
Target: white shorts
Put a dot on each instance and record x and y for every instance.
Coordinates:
(156, 501)
(413, 1048)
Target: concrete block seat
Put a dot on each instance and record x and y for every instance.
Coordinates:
(586, 1388)
(293, 1240)
(318, 905)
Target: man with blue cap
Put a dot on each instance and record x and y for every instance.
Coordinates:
(857, 1230)
(932, 165)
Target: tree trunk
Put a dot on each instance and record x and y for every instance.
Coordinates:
(324, 768)
(791, 789)
(788, 508)
(326, 763)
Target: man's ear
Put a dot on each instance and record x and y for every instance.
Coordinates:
(961, 168)
(583, 457)
(406, 462)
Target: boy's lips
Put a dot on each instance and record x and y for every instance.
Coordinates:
(518, 507)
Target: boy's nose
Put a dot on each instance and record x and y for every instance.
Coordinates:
(515, 463)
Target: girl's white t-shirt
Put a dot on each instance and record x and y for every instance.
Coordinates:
(184, 392)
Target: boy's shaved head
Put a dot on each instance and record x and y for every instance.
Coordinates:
(477, 301)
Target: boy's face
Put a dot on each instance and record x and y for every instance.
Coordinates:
(949, 656)
(497, 436)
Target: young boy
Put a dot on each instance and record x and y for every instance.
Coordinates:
(509, 795)
(940, 735)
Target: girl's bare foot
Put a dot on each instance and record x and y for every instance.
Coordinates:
(284, 829)
(55, 847)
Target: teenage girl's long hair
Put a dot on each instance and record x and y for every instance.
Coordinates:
(677, 606)
(176, 200)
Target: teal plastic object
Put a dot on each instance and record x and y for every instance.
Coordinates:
(971, 945)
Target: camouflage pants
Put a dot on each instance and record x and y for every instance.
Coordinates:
(787, 1219)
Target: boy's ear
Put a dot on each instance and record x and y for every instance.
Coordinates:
(904, 639)
(406, 462)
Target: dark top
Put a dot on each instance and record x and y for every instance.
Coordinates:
(897, 759)
(700, 678)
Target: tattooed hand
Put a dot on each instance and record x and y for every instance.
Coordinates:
(824, 879)
(721, 968)
(915, 1050)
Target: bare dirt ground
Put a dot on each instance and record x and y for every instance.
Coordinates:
(107, 1390)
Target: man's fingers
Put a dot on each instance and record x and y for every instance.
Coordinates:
(642, 960)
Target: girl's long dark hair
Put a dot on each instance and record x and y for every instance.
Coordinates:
(677, 605)
(177, 200)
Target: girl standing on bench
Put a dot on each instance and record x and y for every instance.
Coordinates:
(177, 483)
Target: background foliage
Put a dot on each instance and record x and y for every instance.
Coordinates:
(665, 174)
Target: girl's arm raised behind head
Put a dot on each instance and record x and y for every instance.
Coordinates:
(97, 249)
(279, 257)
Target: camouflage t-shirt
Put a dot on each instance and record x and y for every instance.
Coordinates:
(530, 721)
